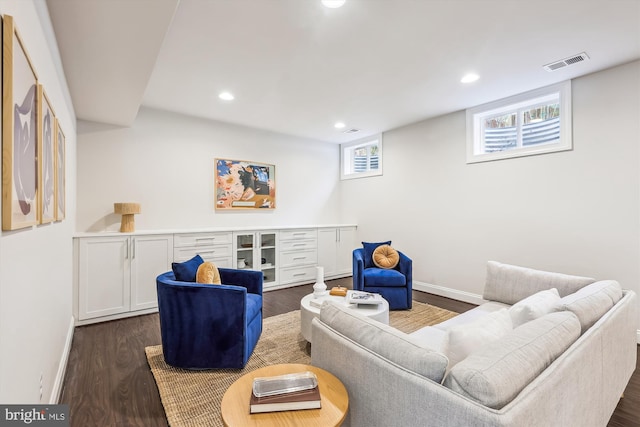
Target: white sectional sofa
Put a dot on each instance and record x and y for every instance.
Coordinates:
(546, 349)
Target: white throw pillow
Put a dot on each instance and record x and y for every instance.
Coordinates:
(534, 306)
(463, 340)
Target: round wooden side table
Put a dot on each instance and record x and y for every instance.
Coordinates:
(333, 396)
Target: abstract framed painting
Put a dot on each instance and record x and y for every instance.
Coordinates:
(46, 158)
(241, 184)
(19, 132)
(60, 179)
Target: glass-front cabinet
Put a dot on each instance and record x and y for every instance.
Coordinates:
(257, 251)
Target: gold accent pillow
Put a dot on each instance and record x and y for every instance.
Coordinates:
(208, 274)
(385, 257)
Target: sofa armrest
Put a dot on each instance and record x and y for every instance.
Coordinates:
(249, 279)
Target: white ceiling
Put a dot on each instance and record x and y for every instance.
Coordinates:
(297, 67)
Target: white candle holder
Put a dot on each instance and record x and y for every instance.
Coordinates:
(319, 288)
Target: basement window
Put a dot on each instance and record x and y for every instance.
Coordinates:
(531, 123)
(361, 158)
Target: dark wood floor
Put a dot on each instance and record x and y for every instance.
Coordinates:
(108, 381)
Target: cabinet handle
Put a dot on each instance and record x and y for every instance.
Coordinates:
(207, 239)
(126, 251)
(338, 234)
(207, 253)
(299, 257)
(300, 274)
(299, 244)
(133, 248)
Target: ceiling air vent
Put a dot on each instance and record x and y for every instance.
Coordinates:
(567, 61)
(353, 130)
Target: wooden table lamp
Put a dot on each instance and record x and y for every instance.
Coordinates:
(127, 210)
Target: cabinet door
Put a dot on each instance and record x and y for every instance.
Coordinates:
(103, 277)
(243, 250)
(344, 253)
(150, 257)
(327, 240)
(268, 255)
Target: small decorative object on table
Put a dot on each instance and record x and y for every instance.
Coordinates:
(360, 297)
(285, 393)
(319, 289)
(339, 291)
(127, 210)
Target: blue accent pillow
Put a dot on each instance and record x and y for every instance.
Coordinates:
(186, 271)
(368, 252)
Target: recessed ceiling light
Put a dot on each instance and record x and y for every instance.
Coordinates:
(471, 77)
(227, 96)
(333, 4)
(339, 125)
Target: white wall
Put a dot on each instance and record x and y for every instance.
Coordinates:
(165, 161)
(36, 263)
(576, 212)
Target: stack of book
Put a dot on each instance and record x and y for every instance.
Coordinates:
(360, 297)
(285, 393)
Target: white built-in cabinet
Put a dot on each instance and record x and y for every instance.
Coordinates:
(335, 247)
(117, 274)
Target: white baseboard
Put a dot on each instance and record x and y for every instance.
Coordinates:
(56, 390)
(448, 292)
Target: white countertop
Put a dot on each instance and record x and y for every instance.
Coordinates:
(203, 230)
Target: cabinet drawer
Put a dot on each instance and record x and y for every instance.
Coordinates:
(292, 259)
(208, 253)
(302, 274)
(202, 239)
(309, 233)
(297, 245)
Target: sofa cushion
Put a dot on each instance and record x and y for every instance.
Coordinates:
(534, 306)
(429, 337)
(369, 247)
(591, 302)
(385, 257)
(186, 271)
(472, 315)
(462, 340)
(383, 277)
(510, 284)
(254, 306)
(384, 340)
(496, 374)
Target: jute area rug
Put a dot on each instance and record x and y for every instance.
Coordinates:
(192, 398)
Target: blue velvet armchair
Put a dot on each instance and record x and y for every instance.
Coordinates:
(210, 326)
(394, 284)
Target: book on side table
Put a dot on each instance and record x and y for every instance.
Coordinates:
(304, 399)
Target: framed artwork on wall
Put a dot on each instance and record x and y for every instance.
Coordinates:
(241, 184)
(46, 158)
(59, 192)
(19, 132)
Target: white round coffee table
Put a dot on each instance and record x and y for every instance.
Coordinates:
(379, 312)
